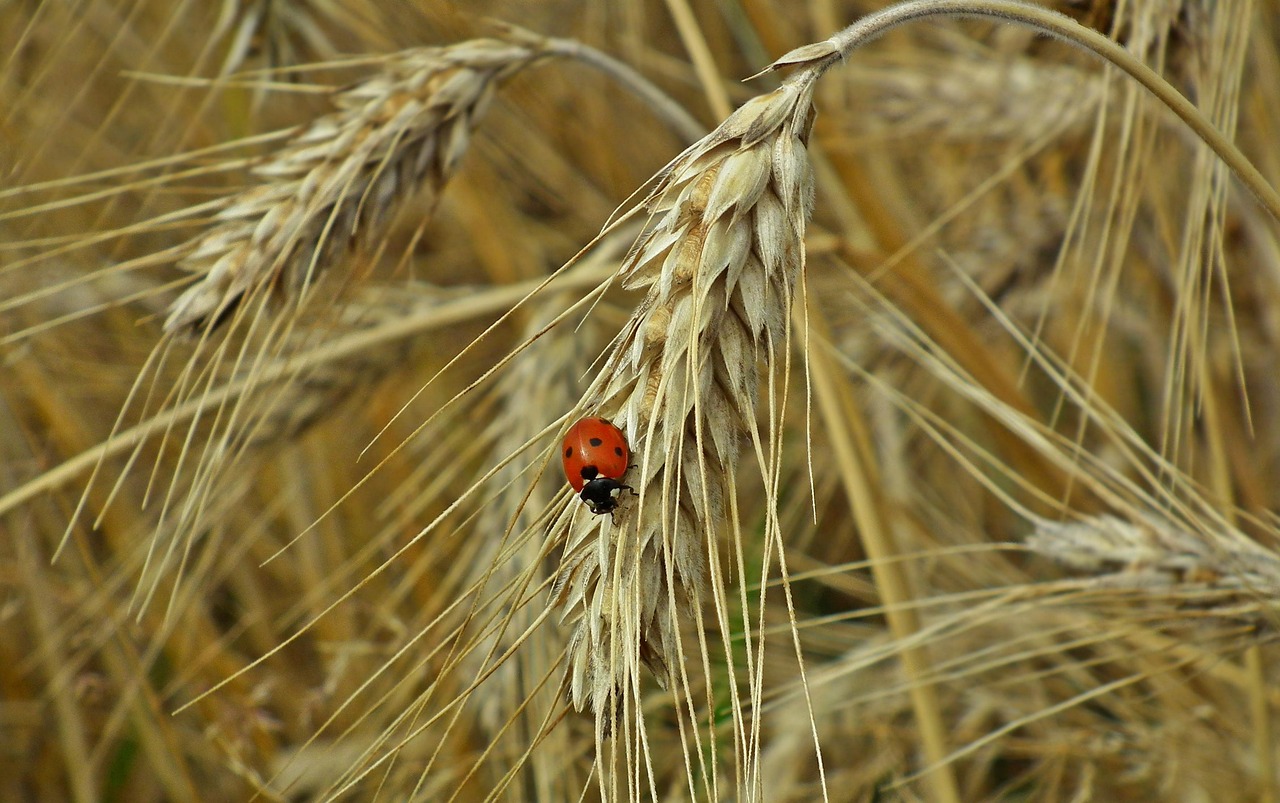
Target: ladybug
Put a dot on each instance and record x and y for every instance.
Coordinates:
(596, 455)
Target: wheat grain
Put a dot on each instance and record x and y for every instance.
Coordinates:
(719, 261)
(402, 131)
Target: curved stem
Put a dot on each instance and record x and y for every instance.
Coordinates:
(680, 121)
(675, 115)
(1068, 30)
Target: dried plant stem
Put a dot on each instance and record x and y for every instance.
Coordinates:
(704, 63)
(1263, 732)
(845, 431)
(401, 132)
(675, 115)
(67, 717)
(838, 47)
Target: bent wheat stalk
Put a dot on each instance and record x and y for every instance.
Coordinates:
(823, 55)
(400, 132)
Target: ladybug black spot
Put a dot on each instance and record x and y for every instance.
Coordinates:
(590, 472)
(617, 450)
(595, 441)
(568, 452)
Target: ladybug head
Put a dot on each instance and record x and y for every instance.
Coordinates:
(601, 494)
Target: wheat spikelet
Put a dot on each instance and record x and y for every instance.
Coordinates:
(401, 131)
(719, 261)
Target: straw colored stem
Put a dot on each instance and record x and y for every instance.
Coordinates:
(67, 715)
(1263, 733)
(848, 437)
(703, 61)
(1058, 25)
(675, 115)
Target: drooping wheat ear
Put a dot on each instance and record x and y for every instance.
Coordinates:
(719, 259)
(400, 132)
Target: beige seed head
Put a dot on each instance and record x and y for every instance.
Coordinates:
(1107, 545)
(398, 133)
(719, 260)
(1238, 577)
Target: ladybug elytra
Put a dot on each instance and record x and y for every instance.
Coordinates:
(596, 456)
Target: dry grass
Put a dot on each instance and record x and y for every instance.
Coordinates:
(947, 367)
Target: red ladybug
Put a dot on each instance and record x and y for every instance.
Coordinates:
(596, 456)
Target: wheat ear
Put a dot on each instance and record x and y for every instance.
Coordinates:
(719, 259)
(1151, 552)
(400, 132)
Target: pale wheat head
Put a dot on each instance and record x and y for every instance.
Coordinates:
(400, 132)
(1151, 552)
(719, 262)
(978, 100)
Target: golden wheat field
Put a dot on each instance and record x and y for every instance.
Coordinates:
(942, 340)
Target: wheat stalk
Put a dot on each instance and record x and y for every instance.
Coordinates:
(400, 132)
(719, 261)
